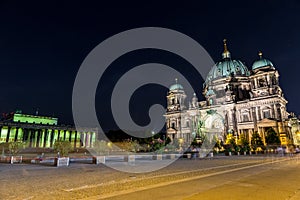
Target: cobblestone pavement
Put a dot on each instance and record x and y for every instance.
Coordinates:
(88, 181)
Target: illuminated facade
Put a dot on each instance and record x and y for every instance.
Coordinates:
(238, 101)
(42, 132)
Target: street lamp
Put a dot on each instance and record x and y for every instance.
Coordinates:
(180, 142)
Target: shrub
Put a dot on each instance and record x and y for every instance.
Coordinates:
(101, 147)
(15, 147)
(272, 137)
(63, 147)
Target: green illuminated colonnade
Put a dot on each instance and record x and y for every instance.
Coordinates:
(39, 131)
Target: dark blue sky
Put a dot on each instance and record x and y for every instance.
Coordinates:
(43, 44)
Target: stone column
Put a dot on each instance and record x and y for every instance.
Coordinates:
(65, 132)
(8, 134)
(52, 138)
(268, 79)
(275, 111)
(75, 140)
(16, 135)
(37, 138)
(31, 136)
(58, 135)
(25, 135)
(87, 137)
(263, 136)
(83, 139)
(91, 139)
(254, 118)
(255, 82)
(20, 134)
(234, 121)
(42, 138)
(70, 135)
(45, 138)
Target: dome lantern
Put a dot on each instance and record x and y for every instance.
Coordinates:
(226, 53)
(227, 67)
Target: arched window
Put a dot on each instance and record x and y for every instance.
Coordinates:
(266, 112)
(173, 101)
(210, 102)
(245, 116)
(279, 113)
(173, 125)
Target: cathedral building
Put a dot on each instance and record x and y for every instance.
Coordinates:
(238, 101)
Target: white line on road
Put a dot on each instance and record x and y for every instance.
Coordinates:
(123, 192)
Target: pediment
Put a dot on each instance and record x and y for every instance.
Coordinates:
(267, 120)
(171, 130)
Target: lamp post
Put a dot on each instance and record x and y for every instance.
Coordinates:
(180, 143)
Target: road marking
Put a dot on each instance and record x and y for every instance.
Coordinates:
(119, 193)
(156, 176)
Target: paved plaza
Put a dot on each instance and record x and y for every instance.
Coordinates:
(236, 177)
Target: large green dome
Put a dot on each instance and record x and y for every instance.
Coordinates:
(262, 62)
(227, 67)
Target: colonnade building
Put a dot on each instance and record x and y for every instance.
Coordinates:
(238, 100)
(43, 132)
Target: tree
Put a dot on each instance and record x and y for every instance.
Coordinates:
(176, 143)
(131, 146)
(101, 147)
(168, 140)
(272, 137)
(256, 141)
(4, 148)
(230, 139)
(170, 147)
(230, 142)
(243, 143)
(218, 144)
(297, 138)
(15, 147)
(63, 147)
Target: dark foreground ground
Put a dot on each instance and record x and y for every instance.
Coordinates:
(237, 177)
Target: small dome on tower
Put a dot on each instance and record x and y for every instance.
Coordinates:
(176, 86)
(194, 97)
(262, 62)
(210, 92)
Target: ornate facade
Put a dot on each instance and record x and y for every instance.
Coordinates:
(238, 101)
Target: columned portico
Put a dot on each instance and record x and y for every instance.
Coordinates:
(45, 135)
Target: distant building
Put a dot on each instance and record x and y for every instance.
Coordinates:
(238, 101)
(40, 131)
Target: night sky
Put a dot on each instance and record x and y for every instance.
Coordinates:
(42, 46)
